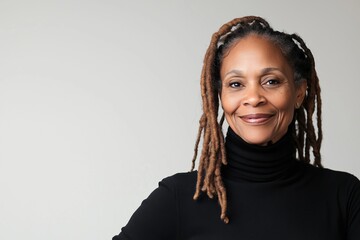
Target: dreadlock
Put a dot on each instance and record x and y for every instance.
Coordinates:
(213, 154)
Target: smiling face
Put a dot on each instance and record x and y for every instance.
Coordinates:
(258, 92)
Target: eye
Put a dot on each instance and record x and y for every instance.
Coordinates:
(235, 84)
(272, 82)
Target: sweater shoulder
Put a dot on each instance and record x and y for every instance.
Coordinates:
(181, 182)
(335, 177)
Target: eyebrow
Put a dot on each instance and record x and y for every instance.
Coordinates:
(270, 69)
(263, 71)
(237, 72)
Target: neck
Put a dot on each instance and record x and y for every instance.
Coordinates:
(248, 162)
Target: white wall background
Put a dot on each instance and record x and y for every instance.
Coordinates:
(99, 100)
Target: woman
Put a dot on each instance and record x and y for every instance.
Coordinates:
(266, 174)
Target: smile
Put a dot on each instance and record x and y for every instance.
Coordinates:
(259, 118)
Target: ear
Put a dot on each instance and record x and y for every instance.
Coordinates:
(300, 92)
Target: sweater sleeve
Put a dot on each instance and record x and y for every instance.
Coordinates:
(353, 206)
(155, 218)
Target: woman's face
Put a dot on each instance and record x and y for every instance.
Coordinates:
(258, 91)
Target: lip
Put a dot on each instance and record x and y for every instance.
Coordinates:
(257, 118)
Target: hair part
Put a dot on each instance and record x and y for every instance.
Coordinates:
(306, 138)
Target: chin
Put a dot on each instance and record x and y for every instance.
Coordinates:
(257, 141)
(254, 136)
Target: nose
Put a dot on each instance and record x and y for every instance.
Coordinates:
(254, 96)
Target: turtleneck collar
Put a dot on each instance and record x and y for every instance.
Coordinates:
(249, 162)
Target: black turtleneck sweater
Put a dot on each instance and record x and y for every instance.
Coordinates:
(271, 196)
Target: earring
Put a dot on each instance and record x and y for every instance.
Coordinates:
(297, 105)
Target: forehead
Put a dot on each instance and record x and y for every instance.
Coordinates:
(256, 51)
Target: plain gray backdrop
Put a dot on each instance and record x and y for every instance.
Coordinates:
(100, 100)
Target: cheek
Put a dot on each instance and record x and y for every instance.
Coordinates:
(285, 104)
(228, 103)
